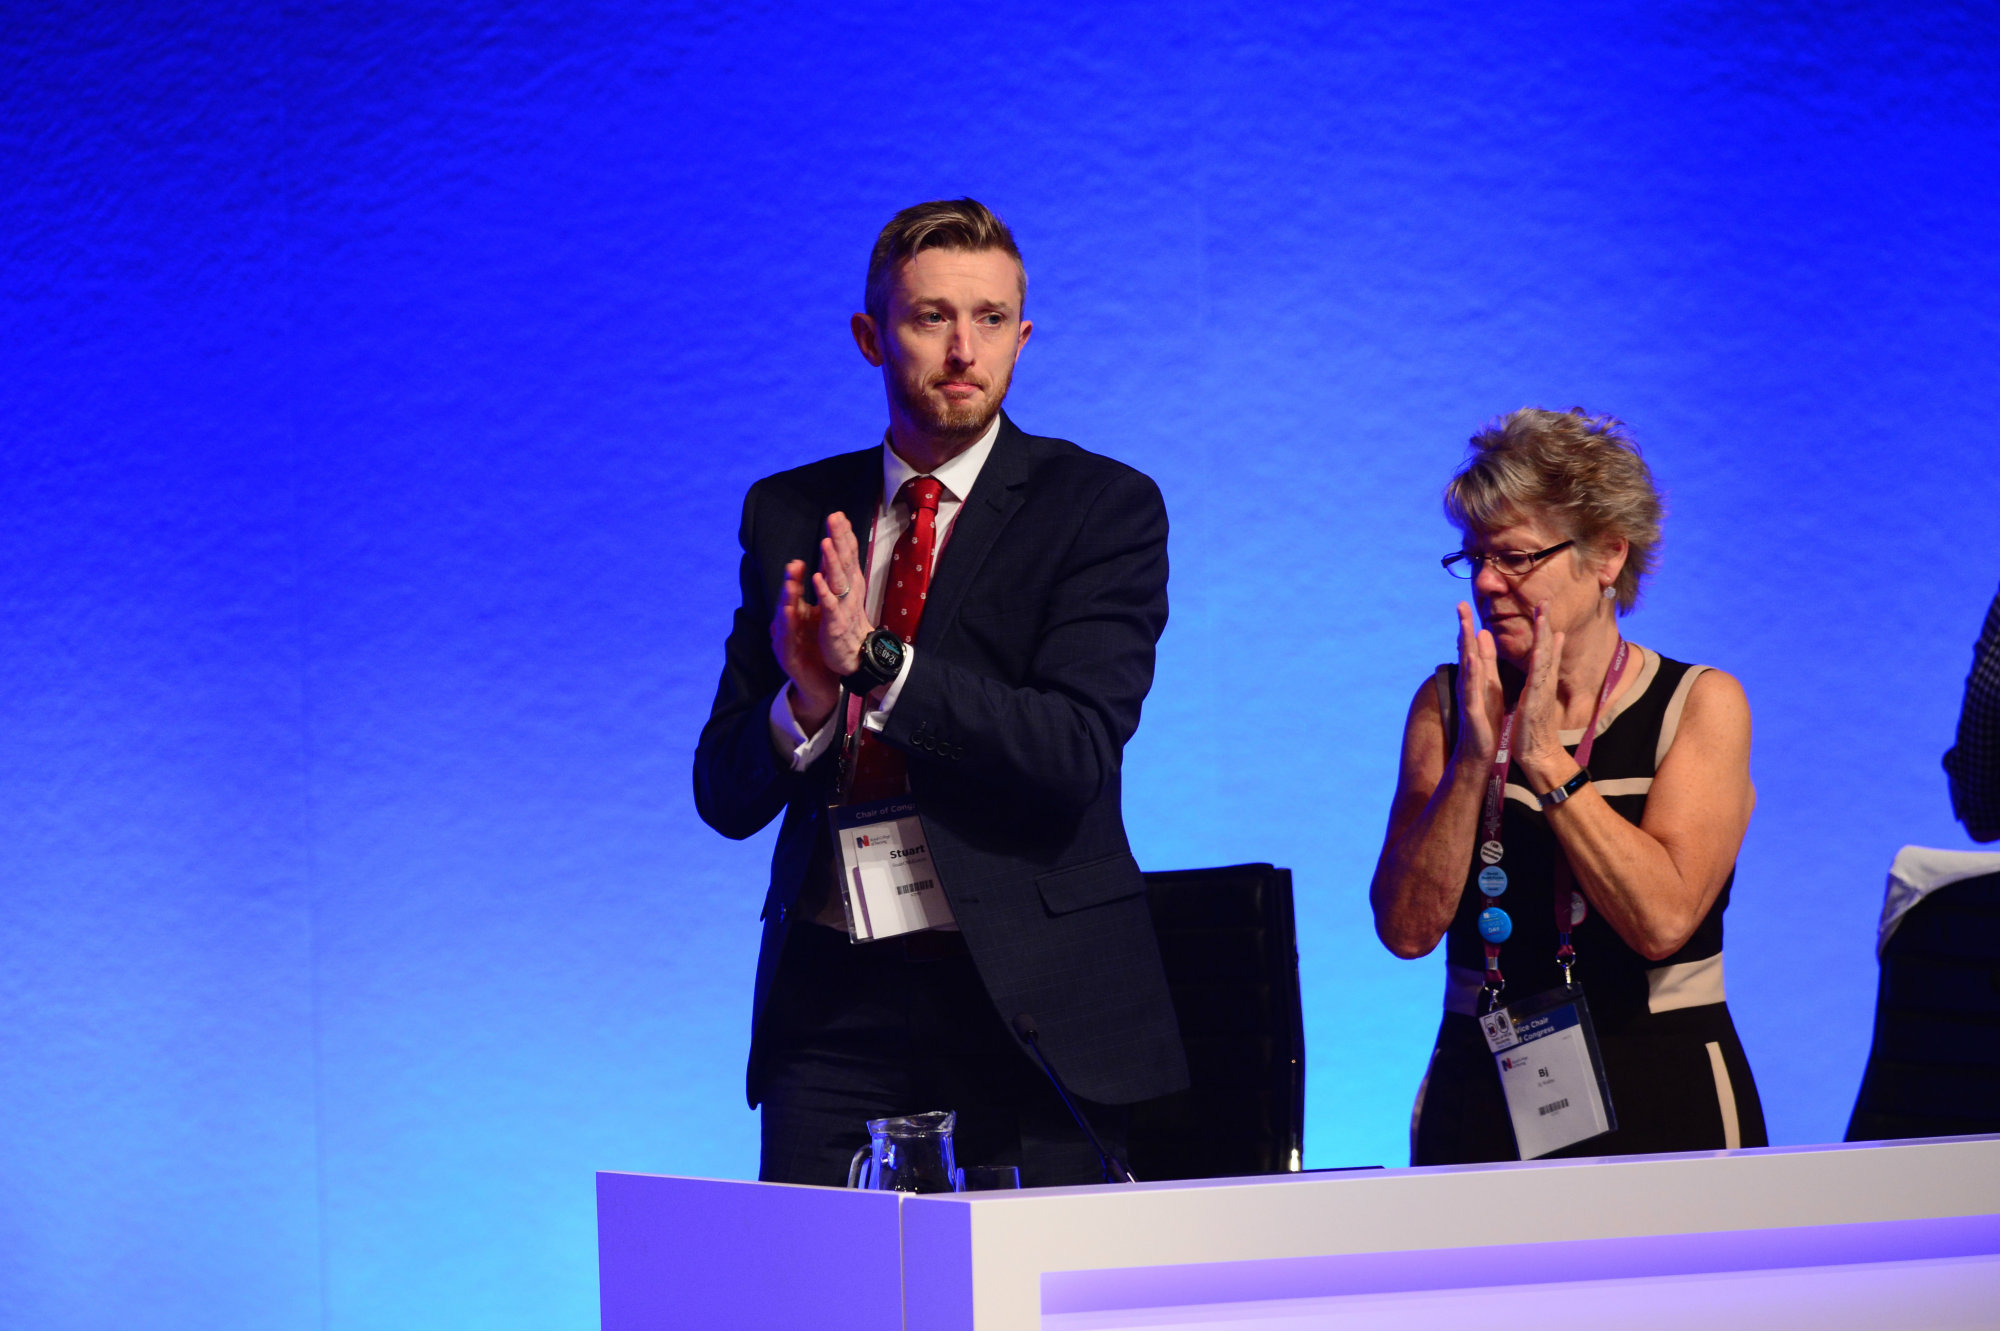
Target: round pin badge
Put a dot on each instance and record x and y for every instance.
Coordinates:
(1491, 851)
(1578, 909)
(1494, 926)
(1493, 880)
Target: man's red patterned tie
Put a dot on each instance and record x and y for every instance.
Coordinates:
(878, 767)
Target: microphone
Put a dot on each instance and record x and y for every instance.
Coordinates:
(1114, 1168)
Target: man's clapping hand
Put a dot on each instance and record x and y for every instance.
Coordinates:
(842, 589)
(816, 645)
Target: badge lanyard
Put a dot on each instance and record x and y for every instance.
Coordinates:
(1495, 926)
(889, 884)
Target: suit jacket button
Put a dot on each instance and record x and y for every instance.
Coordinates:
(781, 915)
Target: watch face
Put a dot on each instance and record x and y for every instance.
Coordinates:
(887, 650)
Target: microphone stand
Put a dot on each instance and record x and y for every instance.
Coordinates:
(1114, 1168)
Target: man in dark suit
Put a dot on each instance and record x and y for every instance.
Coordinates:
(1019, 586)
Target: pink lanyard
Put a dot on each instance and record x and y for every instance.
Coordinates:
(1570, 906)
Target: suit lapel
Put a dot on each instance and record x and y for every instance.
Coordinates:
(995, 496)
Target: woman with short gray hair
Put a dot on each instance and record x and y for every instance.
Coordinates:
(1567, 817)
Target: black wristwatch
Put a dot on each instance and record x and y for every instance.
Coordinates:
(881, 662)
(1565, 790)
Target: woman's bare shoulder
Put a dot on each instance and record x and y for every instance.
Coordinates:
(1718, 693)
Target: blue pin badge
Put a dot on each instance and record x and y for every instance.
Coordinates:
(1493, 880)
(1494, 926)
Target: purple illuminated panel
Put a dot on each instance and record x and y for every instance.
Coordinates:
(1518, 1264)
(749, 1256)
(937, 1263)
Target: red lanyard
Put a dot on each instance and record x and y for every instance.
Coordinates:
(1570, 907)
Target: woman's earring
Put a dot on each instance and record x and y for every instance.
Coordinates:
(1610, 592)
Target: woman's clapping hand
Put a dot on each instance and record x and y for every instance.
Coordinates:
(1482, 705)
(1538, 722)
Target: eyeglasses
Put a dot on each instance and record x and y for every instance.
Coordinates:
(1513, 563)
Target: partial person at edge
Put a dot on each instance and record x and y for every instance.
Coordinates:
(1973, 763)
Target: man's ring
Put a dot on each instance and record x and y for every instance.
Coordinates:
(842, 593)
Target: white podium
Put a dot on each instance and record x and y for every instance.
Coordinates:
(1902, 1234)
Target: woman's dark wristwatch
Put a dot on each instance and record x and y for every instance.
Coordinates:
(1566, 789)
(881, 662)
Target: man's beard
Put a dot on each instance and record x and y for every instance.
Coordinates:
(945, 420)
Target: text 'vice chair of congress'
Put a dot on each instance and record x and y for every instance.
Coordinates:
(1934, 1068)
(1232, 962)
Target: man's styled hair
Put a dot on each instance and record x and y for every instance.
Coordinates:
(1582, 471)
(948, 224)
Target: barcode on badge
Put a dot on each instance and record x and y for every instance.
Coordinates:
(1553, 1106)
(921, 885)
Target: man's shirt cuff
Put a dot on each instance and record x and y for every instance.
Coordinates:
(799, 750)
(796, 749)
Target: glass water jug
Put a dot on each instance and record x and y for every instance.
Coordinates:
(907, 1154)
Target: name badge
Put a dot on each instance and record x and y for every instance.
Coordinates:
(1545, 1050)
(888, 883)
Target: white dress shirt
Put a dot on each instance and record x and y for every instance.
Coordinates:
(891, 521)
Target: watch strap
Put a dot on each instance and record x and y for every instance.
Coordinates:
(1566, 789)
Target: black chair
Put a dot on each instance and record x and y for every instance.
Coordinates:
(1232, 962)
(1934, 1069)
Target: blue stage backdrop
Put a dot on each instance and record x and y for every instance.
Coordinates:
(382, 385)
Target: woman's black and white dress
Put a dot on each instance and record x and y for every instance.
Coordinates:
(1678, 1077)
